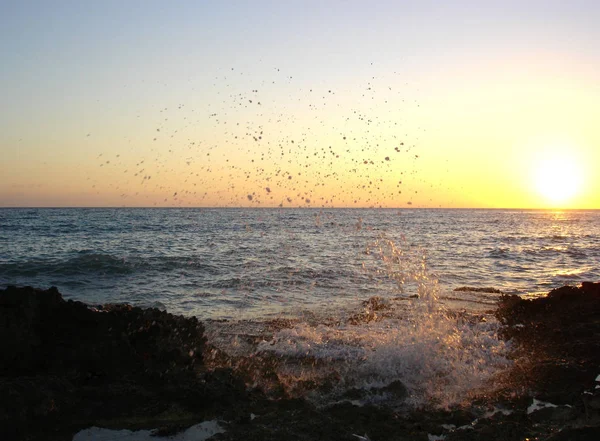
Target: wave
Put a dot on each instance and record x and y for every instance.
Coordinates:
(437, 358)
(90, 262)
(396, 351)
(82, 264)
(499, 252)
(487, 289)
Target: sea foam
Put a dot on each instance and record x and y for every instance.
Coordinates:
(440, 357)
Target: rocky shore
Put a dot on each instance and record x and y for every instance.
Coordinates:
(66, 366)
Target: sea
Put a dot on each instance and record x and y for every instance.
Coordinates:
(376, 295)
(227, 263)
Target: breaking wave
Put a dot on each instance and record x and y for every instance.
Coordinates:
(400, 350)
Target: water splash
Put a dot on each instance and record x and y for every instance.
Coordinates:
(439, 357)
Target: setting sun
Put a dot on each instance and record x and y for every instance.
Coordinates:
(309, 219)
(557, 178)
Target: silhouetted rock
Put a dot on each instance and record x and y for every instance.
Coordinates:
(487, 289)
(590, 433)
(66, 364)
(46, 334)
(557, 346)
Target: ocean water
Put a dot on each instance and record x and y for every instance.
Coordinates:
(252, 263)
(355, 298)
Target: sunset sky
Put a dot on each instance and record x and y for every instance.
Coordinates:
(300, 103)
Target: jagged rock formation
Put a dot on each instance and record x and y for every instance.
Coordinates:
(67, 365)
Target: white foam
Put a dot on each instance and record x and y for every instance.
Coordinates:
(431, 437)
(467, 426)
(496, 410)
(199, 432)
(438, 358)
(537, 405)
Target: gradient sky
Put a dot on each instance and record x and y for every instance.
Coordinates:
(311, 103)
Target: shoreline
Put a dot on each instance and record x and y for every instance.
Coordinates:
(72, 366)
(275, 207)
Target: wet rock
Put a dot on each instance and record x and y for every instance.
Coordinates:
(554, 414)
(46, 334)
(557, 350)
(561, 305)
(590, 288)
(371, 308)
(559, 333)
(394, 392)
(66, 364)
(376, 303)
(396, 388)
(577, 434)
(591, 401)
(487, 289)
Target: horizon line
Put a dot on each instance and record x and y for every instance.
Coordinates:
(291, 208)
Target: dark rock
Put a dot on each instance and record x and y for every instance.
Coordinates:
(376, 303)
(577, 434)
(395, 391)
(66, 365)
(557, 348)
(590, 287)
(45, 334)
(555, 414)
(591, 401)
(487, 289)
(371, 306)
(396, 388)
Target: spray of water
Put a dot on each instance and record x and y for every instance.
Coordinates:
(407, 350)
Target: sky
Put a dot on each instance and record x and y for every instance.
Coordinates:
(308, 103)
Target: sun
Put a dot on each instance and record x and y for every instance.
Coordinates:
(557, 178)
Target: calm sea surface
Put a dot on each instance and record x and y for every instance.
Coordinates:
(251, 263)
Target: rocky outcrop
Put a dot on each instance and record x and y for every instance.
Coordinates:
(560, 336)
(487, 289)
(66, 365)
(43, 333)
